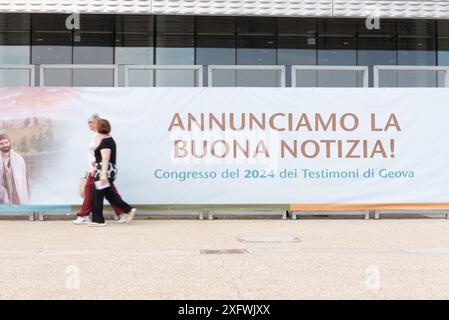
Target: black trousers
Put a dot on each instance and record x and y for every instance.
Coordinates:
(97, 202)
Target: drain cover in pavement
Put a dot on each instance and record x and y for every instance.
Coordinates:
(224, 251)
(270, 239)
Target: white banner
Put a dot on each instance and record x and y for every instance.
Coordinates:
(237, 145)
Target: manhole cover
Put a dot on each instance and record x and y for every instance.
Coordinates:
(224, 251)
(269, 239)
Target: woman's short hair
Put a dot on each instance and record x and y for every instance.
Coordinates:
(103, 126)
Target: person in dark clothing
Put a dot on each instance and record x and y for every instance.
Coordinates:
(105, 174)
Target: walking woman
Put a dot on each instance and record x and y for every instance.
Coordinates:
(105, 174)
(86, 208)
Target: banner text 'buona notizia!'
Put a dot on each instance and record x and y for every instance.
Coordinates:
(324, 125)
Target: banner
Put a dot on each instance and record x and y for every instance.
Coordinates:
(305, 148)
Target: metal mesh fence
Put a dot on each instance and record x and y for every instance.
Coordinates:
(223, 76)
(78, 76)
(163, 76)
(246, 76)
(329, 76)
(411, 76)
(16, 75)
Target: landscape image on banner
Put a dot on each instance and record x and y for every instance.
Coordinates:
(32, 142)
(30, 139)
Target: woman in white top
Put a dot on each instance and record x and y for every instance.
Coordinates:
(86, 209)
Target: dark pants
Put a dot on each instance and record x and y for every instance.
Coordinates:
(86, 208)
(97, 202)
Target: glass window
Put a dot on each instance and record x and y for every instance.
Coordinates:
(416, 28)
(134, 45)
(335, 51)
(256, 50)
(443, 52)
(336, 42)
(14, 48)
(416, 52)
(297, 27)
(387, 28)
(52, 48)
(14, 22)
(256, 42)
(376, 51)
(256, 26)
(175, 40)
(416, 47)
(215, 42)
(443, 42)
(93, 48)
(296, 50)
(174, 49)
(337, 27)
(52, 42)
(175, 44)
(10, 54)
(215, 50)
(215, 25)
(93, 42)
(133, 55)
(416, 42)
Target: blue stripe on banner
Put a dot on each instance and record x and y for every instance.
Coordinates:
(34, 208)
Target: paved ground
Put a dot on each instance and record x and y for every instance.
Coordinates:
(168, 259)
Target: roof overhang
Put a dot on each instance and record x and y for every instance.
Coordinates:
(434, 9)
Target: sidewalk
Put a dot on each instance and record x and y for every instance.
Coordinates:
(181, 259)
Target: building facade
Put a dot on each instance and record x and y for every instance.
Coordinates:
(121, 33)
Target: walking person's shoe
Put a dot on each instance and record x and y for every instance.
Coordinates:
(96, 224)
(131, 215)
(82, 220)
(122, 218)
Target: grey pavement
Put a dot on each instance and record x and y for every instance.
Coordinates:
(226, 259)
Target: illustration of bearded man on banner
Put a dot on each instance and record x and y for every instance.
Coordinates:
(13, 174)
(3, 195)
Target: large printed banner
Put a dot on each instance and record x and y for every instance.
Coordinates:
(306, 148)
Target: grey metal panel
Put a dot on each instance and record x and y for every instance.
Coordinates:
(17, 75)
(163, 75)
(78, 75)
(329, 76)
(246, 76)
(411, 76)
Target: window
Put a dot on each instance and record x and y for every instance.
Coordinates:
(337, 42)
(175, 40)
(175, 44)
(376, 51)
(256, 41)
(51, 41)
(14, 48)
(14, 38)
(337, 51)
(443, 42)
(134, 44)
(93, 42)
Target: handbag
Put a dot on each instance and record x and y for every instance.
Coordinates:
(111, 173)
(82, 186)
